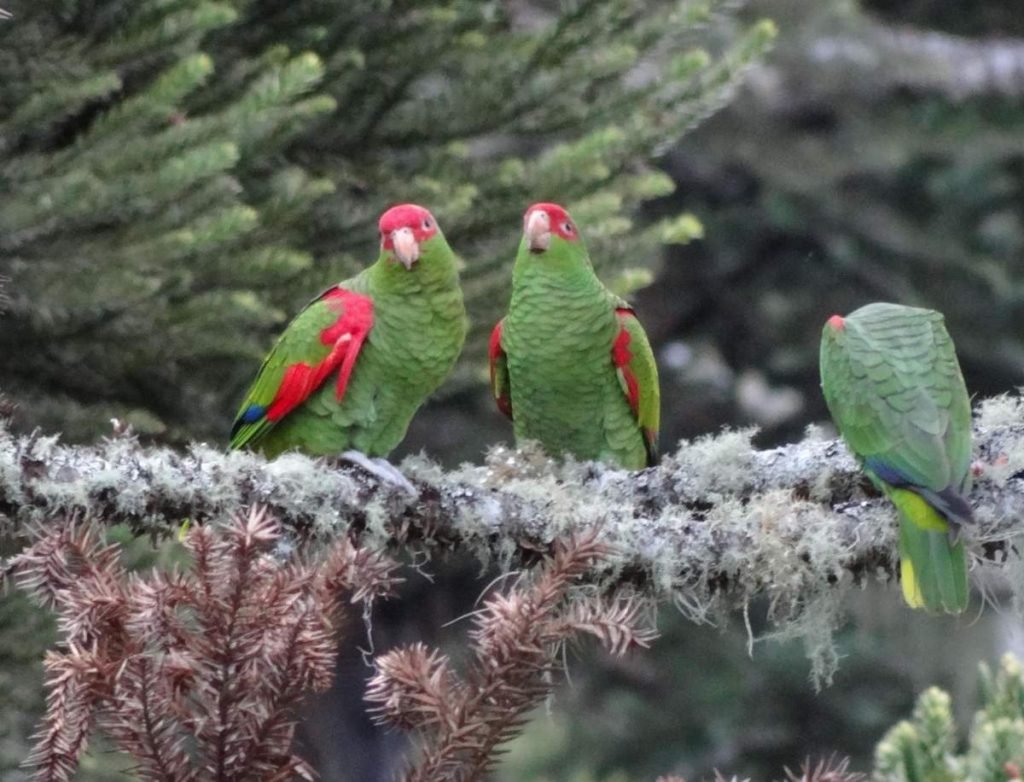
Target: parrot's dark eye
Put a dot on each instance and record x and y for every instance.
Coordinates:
(567, 227)
(427, 223)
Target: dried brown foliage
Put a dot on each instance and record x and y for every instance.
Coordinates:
(197, 673)
(833, 769)
(462, 719)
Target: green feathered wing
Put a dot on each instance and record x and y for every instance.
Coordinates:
(280, 378)
(352, 368)
(894, 387)
(637, 372)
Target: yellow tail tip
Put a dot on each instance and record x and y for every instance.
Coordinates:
(911, 589)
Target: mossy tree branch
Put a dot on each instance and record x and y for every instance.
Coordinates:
(717, 524)
(519, 501)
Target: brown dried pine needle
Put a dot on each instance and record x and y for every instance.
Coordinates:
(195, 674)
(516, 639)
(832, 769)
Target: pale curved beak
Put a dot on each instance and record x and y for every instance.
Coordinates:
(407, 249)
(538, 231)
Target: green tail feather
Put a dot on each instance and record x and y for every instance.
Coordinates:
(933, 569)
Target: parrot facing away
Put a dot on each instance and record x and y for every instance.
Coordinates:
(352, 368)
(570, 363)
(893, 385)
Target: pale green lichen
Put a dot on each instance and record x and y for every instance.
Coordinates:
(219, 475)
(1000, 411)
(793, 550)
(717, 526)
(815, 433)
(10, 473)
(715, 465)
(291, 483)
(770, 543)
(1004, 412)
(820, 490)
(421, 467)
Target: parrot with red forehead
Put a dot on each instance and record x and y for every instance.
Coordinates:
(349, 372)
(570, 363)
(893, 385)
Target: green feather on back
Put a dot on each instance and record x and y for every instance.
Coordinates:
(892, 382)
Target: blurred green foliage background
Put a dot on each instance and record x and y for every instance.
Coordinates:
(177, 177)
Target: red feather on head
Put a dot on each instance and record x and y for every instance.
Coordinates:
(411, 216)
(561, 224)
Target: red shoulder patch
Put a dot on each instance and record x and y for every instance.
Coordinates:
(345, 336)
(494, 355)
(621, 356)
(349, 331)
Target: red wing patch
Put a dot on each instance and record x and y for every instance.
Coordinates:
(621, 356)
(345, 336)
(496, 355)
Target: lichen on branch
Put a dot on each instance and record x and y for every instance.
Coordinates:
(716, 525)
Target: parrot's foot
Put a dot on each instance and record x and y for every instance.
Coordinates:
(381, 469)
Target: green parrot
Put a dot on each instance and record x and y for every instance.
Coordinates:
(894, 388)
(351, 369)
(570, 363)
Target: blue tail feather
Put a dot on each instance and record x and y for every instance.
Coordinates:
(251, 415)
